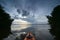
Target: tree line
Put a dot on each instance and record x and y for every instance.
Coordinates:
(54, 21)
(5, 23)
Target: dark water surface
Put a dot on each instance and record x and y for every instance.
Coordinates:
(41, 32)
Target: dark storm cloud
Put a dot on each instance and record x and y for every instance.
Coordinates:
(18, 10)
(25, 13)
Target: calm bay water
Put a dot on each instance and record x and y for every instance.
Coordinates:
(41, 31)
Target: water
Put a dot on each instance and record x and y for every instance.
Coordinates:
(41, 32)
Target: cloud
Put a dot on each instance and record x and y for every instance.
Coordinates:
(29, 7)
(25, 13)
(19, 11)
(22, 13)
(41, 19)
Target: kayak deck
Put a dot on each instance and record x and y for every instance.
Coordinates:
(29, 36)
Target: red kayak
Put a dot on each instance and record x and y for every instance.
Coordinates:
(29, 36)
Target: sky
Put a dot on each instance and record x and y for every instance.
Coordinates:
(29, 10)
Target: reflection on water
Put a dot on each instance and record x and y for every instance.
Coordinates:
(41, 32)
(20, 24)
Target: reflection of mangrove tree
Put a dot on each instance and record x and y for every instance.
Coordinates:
(5, 23)
(21, 37)
(54, 21)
